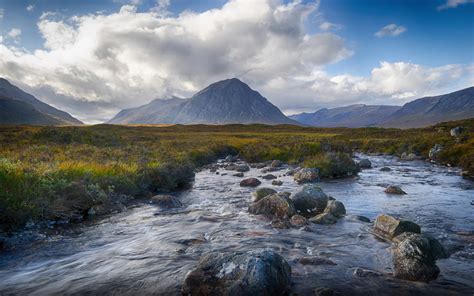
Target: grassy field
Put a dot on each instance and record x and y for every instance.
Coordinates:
(54, 173)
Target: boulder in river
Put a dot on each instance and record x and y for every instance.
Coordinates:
(250, 273)
(276, 163)
(389, 227)
(166, 201)
(277, 205)
(277, 183)
(324, 218)
(335, 208)
(414, 258)
(306, 175)
(310, 200)
(408, 157)
(385, 169)
(365, 163)
(238, 175)
(435, 151)
(269, 177)
(262, 192)
(392, 189)
(242, 168)
(231, 158)
(315, 260)
(250, 182)
(437, 249)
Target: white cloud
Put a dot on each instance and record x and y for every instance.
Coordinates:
(95, 64)
(453, 4)
(128, 58)
(1, 38)
(30, 7)
(326, 26)
(389, 83)
(2, 13)
(390, 30)
(14, 33)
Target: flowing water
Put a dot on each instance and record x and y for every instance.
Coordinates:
(146, 250)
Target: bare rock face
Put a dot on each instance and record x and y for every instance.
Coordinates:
(306, 175)
(275, 205)
(250, 182)
(390, 227)
(392, 189)
(414, 258)
(251, 273)
(311, 200)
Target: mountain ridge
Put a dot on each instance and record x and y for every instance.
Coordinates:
(51, 114)
(223, 102)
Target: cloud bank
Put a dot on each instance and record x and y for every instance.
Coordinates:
(94, 65)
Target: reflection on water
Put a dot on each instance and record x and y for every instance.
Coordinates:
(149, 251)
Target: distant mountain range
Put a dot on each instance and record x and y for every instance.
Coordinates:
(232, 101)
(19, 107)
(224, 102)
(418, 113)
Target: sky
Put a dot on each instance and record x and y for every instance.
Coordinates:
(93, 58)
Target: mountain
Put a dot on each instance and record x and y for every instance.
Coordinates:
(157, 111)
(418, 113)
(31, 107)
(224, 102)
(349, 116)
(14, 111)
(431, 110)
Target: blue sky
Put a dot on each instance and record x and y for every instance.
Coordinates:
(340, 63)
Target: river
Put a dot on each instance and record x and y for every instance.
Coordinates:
(145, 250)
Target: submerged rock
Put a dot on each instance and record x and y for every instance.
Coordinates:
(306, 175)
(361, 272)
(324, 291)
(385, 169)
(414, 259)
(365, 164)
(390, 227)
(166, 201)
(262, 192)
(358, 218)
(392, 189)
(315, 260)
(250, 182)
(238, 175)
(250, 273)
(277, 205)
(335, 208)
(324, 218)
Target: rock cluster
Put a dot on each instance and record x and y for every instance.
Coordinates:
(414, 253)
